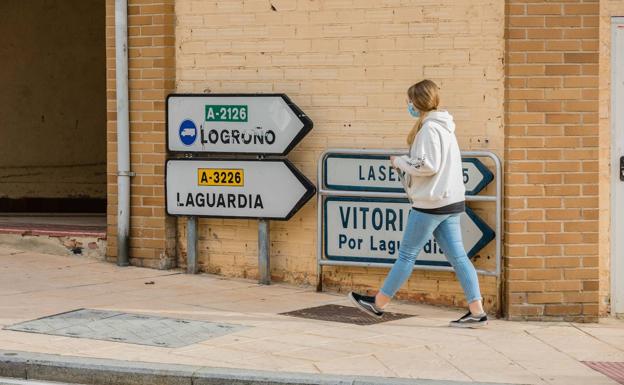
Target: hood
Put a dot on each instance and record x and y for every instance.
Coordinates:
(442, 119)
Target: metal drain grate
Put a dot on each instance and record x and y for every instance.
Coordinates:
(125, 327)
(344, 314)
(613, 370)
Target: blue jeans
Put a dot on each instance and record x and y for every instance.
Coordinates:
(447, 232)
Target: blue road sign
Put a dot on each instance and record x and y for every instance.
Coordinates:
(188, 132)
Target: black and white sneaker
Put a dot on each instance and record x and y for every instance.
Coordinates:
(470, 321)
(366, 304)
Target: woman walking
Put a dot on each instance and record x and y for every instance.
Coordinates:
(434, 183)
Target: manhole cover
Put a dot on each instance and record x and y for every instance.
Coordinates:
(345, 314)
(613, 370)
(125, 327)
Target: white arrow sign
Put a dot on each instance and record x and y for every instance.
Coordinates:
(267, 189)
(373, 173)
(234, 123)
(370, 230)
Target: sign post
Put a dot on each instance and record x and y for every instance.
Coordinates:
(368, 229)
(191, 250)
(258, 189)
(361, 227)
(264, 268)
(268, 124)
(372, 172)
(235, 124)
(362, 211)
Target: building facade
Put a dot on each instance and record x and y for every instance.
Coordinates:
(529, 81)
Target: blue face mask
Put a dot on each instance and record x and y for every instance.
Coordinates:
(413, 111)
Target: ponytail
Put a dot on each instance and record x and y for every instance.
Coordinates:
(412, 134)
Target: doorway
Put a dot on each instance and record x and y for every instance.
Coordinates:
(52, 112)
(617, 166)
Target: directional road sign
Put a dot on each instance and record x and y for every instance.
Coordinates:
(234, 123)
(476, 175)
(267, 189)
(352, 172)
(370, 230)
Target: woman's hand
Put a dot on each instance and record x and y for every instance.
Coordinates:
(392, 159)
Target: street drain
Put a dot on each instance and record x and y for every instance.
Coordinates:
(126, 327)
(613, 370)
(344, 314)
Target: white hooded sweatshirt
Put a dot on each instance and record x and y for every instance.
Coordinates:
(433, 168)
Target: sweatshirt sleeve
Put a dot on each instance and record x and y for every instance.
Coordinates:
(425, 155)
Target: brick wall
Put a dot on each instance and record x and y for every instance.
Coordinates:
(551, 156)
(348, 64)
(151, 72)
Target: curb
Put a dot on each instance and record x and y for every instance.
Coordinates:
(97, 371)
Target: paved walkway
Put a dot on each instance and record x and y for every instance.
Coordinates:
(36, 285)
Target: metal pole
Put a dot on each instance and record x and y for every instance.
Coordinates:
(499, 237)
(319, 222)
(264, 268)
(123, 132)
(191, 245)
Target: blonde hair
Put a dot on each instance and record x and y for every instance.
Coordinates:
(424, 96)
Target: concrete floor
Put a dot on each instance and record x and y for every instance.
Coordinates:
(34, 285)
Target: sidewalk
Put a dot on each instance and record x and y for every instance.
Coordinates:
(37, 285)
